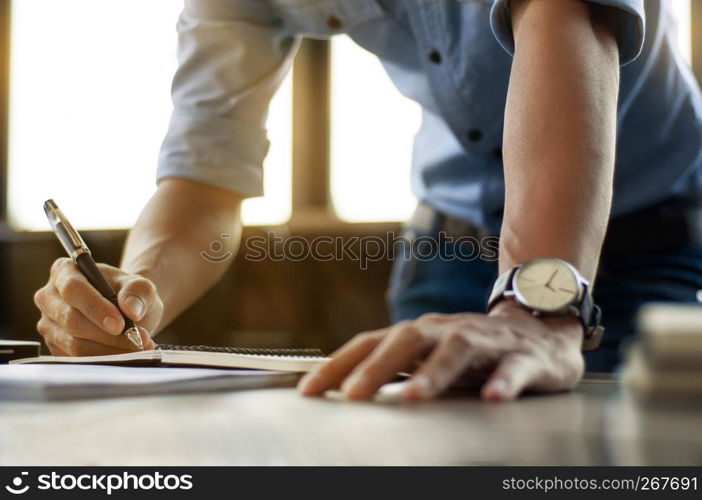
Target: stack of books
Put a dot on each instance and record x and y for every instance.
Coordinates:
(666, 361)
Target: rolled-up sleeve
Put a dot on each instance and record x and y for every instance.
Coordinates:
(233, 55)
(630, 21)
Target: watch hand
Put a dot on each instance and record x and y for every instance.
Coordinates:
(536, 285)
(548, 283)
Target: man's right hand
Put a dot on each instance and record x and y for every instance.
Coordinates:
(77, 321)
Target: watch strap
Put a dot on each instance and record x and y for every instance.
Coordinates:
(590, 316)
(502, 285)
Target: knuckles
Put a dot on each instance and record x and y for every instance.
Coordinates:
(457, 340)
(409, 330)
(142, 287)
(366, 338)
(42, 327)
(73, 346)
(431, 317)
(39, 297)
(68, 286)
(58, 266)
(70, 319)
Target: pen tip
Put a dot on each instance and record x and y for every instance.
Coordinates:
(133, 335)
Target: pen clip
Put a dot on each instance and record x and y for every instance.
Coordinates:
(67, 235)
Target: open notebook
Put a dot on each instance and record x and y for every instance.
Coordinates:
(285, 360)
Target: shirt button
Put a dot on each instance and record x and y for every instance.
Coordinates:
(435, 56)
(334, 23)
(474, 135)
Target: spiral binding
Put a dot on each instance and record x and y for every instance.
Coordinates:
(251, 351)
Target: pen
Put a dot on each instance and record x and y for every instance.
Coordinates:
(80, 253)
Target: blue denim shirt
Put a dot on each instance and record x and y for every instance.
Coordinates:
(451, 56)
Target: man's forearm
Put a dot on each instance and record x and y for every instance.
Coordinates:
(180, 221)
(560, 130)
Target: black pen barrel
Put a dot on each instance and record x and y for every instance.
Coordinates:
(92, 273)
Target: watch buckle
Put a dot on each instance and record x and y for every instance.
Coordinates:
(592, 341)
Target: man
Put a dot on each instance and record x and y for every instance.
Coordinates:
(569, 88)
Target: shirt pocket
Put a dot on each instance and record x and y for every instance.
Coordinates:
(325, 18)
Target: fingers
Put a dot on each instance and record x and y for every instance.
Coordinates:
(138, 297)
(454, 355)
(343, 361)
(75, 290)
(405, 343)
(514, 373)
(72, 322)
(74, 319)
(54, 349)
(63, 344)
(513, 351)
(146, 339)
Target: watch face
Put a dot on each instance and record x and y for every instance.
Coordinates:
(546, 285)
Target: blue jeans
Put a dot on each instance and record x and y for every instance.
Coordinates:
(439, 284)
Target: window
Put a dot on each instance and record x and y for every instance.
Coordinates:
(90, 102)
(364, 109)
(89, 106)
(682, 10)
(370, 179)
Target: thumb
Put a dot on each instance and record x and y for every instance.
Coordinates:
(136, 296)
(514, 373)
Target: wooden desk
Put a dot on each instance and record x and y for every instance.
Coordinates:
(596, 424)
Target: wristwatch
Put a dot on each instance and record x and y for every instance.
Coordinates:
(551, 287)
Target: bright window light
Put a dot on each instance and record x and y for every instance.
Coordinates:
(683, 12)
(89, 106)
(373, 126)
(276, 206)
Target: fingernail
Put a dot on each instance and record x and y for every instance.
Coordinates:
(135, 305)
(308, 384)
(499, 389)
(112, 325)
(419, 388)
